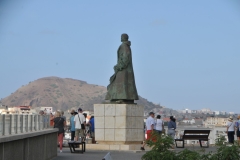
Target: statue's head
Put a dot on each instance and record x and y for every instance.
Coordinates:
(124, 37)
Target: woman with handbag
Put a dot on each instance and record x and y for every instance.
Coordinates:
(230, 130)
(59, 123)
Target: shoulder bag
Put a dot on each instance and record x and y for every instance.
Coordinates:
(82, 125)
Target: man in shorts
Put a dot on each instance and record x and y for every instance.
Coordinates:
(79, 119)
(150, 122)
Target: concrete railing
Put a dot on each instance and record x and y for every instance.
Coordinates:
(36, 145)
(11, 124)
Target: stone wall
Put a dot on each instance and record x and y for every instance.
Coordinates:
(38, 145)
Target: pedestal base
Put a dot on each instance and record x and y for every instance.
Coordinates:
(112, 147)
(119, 125)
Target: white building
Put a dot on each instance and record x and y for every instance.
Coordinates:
(206, 110)
(48, 110)
(216, 121)
(194, 111)
(188, 121)
(186, 111)
(217, 112)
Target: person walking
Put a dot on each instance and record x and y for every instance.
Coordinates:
(79, 121)
(172, 128)
(237, 125)
(59, 123)
(230, 130)
(150, 128)
(159, 125)
(72, 124)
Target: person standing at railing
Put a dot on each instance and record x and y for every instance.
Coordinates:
(159, 125)
(172, 128)
(72, 124)
(80, 122)
(51, 120)
(237, 125)
(59, 123)
(230, 130)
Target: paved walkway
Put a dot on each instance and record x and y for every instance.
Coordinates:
(116, 155)
(98, 155)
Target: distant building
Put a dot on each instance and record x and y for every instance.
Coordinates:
(188, 121)
(206, 110)
(48, 110)
(223, 113)
(198, 122)
(17, 110)
(216, 121)
(194, 111)
(232, 113)
(166, 119)
(186, 111)
(216, 112)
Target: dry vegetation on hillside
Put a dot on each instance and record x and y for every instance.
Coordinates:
(61, 93)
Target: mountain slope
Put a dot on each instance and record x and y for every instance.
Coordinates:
(62, 93)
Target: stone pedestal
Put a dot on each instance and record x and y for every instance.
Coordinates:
(119, 125)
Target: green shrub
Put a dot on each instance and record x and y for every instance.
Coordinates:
(160, 151)
(220, 141)
(192, 155)
(54, 85)
(160, 148)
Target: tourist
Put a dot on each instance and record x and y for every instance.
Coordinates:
(238, 129)
(72, 124)
(230, 130)
(159, 125)
(92, 132)
(85, 127)
(59, 123)
(79, 121)
(172, 128)
(51, 120)
(63, 115)
(150, 128)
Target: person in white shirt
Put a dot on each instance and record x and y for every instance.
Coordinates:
(159, 125)
(150, 122)
(79, 119)
(230, 130)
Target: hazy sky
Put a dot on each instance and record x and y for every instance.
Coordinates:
(185, 53)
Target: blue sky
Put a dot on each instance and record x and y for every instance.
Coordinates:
(185, 53)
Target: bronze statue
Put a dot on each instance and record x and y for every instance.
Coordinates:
(122, 88)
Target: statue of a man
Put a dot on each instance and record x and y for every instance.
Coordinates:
(122, 88)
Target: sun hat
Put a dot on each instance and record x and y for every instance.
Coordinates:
(230, 118)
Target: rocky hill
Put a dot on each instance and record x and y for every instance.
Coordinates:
(62, 93)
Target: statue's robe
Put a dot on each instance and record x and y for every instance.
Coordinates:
(122, 83)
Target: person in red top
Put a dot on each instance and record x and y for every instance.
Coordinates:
(150, 122)
(51, 120)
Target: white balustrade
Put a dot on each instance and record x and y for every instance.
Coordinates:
(11, 124)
